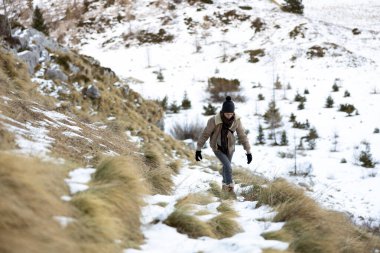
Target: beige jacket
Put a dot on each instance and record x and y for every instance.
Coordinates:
(213, 130)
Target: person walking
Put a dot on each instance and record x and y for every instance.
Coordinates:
(220, 129)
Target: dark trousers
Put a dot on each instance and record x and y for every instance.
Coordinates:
(227, 168)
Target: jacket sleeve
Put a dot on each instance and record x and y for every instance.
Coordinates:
(243, 137)
(207, 131)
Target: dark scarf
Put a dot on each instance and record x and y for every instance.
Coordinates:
(227, 123)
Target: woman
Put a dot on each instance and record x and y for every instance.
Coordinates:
(220, 129)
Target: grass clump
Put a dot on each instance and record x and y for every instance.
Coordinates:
(110, 209)
(188, 224)
(157, 174)
(224, 226)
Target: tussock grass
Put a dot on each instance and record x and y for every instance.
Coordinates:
(30, 198)
(225, 207)
(157, 174)
(199, 198)
(175, 166)
(188, 224)
(312, 228)
(224, 226)
(7, 139)
(110, 210)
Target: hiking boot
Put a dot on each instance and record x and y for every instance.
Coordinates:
(230, 187)
(224, 187)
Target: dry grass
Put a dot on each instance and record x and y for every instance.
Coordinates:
(224, 226)
(187, 130)
(110, 210)
(7, 139)
(312, 228)
(157, 174)
(200, 198)
(188, 224)
(30, 199)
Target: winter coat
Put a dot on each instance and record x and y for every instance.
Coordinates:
(213, 131)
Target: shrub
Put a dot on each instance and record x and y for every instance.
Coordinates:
(187, 130)
(316, 51)
(209, 110)
(293, 6)
(347, 108)
(145, 37)
(220, 87)
(257, 24)
(254, 54)
(376, 131)
(346, 94)
(260, 97)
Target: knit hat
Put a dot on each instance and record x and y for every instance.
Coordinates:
(228, 105)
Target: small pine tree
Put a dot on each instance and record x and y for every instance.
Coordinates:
(301, 105)
(209, 110)
(260, 139)
(365, 157)
(39, 22)
(277, 84)
(293, 6)
(329, 102)
(347, 94)
(311, 137)
(292, 117)
(186, 103)
(260, 97)
(272, 115)
(284, 139)
(160, 76)
(306, 92)
(164, 103)
(174, 107)
(335, 87)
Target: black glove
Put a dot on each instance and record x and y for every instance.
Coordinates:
(249, 158)
(198, 155)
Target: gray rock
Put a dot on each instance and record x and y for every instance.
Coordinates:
(92, 92)
(30, 58)
(54, 72)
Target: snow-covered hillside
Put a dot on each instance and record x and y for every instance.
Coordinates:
(291, 45)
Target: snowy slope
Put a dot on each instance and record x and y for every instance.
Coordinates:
(352, 59)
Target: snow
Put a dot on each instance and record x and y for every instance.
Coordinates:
(78, 179)
(353, 59)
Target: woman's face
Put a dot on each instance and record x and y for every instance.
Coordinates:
(228, 115)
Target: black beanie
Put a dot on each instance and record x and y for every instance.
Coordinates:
(228, 105)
